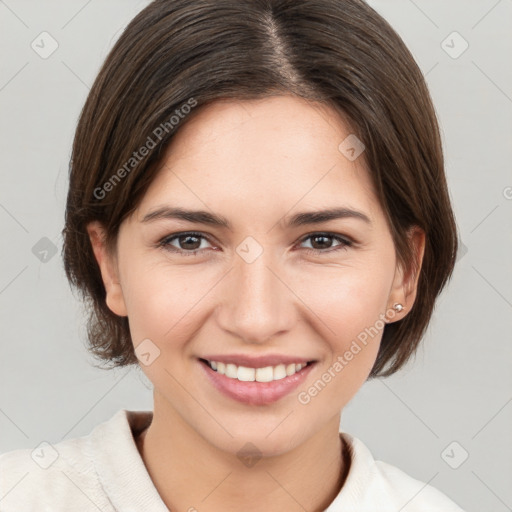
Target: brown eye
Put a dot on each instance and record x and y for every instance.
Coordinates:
(189, 242)
(323, 242)
(185, 243)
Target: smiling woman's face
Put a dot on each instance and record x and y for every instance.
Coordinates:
(261, 285)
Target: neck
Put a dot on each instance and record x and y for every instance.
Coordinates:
(191, 474)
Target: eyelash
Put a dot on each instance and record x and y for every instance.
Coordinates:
(165, 243)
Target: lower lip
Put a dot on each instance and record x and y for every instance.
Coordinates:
(256, 393)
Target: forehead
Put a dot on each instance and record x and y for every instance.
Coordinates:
(262, 155)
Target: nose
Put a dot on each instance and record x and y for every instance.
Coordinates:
(258, 303)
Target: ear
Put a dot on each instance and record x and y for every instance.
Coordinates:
(108, 267)
(405, 284)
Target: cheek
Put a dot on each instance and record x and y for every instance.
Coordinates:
(339, 301)
(349, 305)
(347, 299)
(160, 304)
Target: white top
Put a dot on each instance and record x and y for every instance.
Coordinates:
(104, 471)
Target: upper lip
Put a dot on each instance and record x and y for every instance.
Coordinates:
(256, 361)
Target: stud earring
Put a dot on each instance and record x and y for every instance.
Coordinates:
(398, 308)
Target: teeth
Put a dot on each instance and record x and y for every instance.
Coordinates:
(279, 372)
(231, 371)
(245, 374)
(290, 369)
(266, 374)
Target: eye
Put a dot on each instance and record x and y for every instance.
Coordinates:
(190, 243)
(324, 242)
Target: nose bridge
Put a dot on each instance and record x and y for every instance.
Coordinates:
(257, 306)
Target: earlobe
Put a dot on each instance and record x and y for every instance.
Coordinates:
(108, 268)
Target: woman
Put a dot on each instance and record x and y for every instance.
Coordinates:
(257, 216)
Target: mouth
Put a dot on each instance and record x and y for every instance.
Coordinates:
(256, 374)
(257, 381)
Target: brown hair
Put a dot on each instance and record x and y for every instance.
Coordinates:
(341, 53)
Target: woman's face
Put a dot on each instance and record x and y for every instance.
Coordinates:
(268, 283)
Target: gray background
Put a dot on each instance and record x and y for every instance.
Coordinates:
(459, 387)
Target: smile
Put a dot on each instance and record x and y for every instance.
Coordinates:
(262, 383)
(264, 374)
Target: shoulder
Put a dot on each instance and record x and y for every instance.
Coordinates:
(50, 477)
(372, 484)
(412, 494)
(60, 476)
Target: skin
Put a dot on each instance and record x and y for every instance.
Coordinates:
(256, 163)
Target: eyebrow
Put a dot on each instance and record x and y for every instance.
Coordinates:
(299, 219)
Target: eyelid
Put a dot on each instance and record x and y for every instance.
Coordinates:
(165, 241)
(344, 238)
(345, 242)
